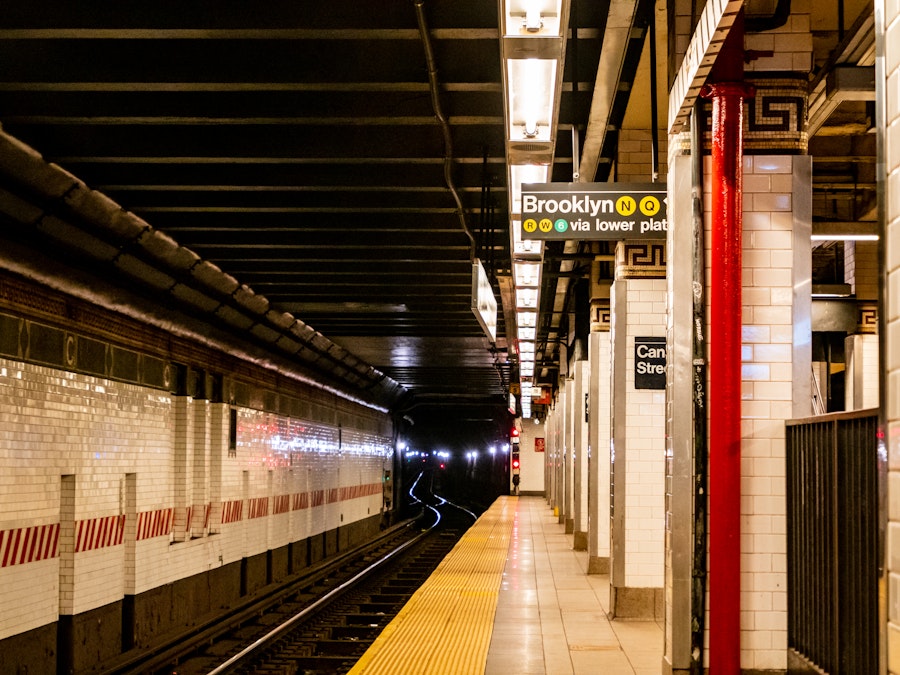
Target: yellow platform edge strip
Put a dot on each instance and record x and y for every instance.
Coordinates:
(445, 628)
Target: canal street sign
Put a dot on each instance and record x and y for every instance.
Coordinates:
(594, 211)
(649, 363)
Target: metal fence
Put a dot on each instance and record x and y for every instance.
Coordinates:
(832, 529)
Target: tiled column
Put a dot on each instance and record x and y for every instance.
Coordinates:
(564, 478)
(887, 81)
(861, 348)
(200, 479)
(777, 268)
(550, 459)
(570, 452)
(218, 448)
(598, 438)
(680, 442)
(581, 381)
(863, 373)
(183, 450)
(556, 465)
(638, 310)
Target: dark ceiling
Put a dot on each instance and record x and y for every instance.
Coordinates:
(345, 160)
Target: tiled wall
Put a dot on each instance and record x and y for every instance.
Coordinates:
(634, 159)
(787, 48)
(891, 13)
(532, 472)
(76, 451)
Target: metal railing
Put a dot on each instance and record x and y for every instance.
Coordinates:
(832, 530)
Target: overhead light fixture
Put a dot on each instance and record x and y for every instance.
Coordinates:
(526, 298)
(531, 88)
(527, 274)
(533, 49)
(844, 237)
(525, 173)
(531, 18)
(524, 248)
(526, 319)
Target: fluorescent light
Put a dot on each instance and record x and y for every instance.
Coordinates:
(526, 319)
(531, 87)
(524, 248)
(527, 333)
(531, 18)
(843, 237)
(528, 275)
(526, 298)
(525, 173)
(526, 347)
(526, 369)
(533, 21)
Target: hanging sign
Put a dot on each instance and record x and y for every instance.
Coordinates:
(594, 211)
(649, 363)
(484, 304)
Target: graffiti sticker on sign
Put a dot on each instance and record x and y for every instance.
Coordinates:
(594, 211)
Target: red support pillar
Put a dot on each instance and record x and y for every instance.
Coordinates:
(725, 360)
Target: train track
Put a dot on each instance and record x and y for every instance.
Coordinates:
(324, 622)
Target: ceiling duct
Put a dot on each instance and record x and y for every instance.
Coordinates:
(61, 208)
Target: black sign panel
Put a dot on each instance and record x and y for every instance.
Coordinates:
(594, 211)
(649, 363)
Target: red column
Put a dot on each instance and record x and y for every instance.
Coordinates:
(725, 378)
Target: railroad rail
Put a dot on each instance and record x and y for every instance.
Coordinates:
(323, 622)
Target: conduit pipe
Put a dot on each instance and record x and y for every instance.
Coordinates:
(65, 210)
(727, 92)
(442, 119)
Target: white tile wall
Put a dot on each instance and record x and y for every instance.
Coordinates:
(532, 472)
(55, 424)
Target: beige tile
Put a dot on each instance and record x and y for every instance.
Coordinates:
(550, 592)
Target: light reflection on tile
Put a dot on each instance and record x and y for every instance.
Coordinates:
(552, 617)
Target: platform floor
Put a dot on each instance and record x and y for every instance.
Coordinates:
(552, 616)
(513, 598)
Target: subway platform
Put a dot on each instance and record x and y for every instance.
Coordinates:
(513, 598)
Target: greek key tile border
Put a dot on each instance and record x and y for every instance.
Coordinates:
(641, 260)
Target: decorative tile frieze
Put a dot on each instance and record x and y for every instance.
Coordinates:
(600, 315)
(867, 313)
(775, 117)
(641, 260)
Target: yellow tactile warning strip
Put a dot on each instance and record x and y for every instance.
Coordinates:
(445, 628)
